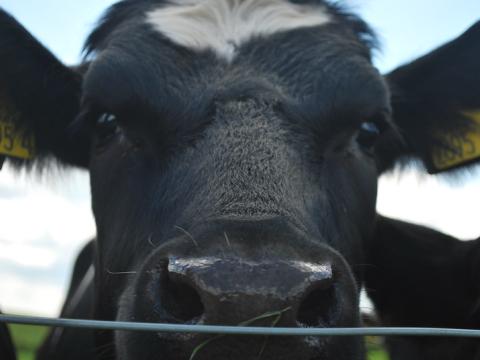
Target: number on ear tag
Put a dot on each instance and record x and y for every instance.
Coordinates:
(462, 148)
(15, 143)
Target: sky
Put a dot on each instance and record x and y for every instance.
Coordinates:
(45, 220)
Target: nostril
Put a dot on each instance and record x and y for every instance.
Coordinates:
(180, 302)
(317, 307)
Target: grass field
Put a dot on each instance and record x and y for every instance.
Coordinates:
(27, 339)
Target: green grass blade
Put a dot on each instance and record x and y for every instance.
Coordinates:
(277, 314)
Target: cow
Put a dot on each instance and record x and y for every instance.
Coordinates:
(7, 350)
(234, 149)
(420, 277)
(71, 343)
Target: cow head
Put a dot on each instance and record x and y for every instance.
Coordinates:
(234, 149)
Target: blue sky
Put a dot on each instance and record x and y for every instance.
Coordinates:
(407, 28)
(45, 222)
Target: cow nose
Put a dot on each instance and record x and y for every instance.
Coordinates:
(234, 291)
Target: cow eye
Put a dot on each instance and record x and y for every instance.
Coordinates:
(106, 127)
(368, 135)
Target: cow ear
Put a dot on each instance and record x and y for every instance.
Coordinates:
(39, 100)
(436, 107)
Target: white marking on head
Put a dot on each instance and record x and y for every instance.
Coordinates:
(223, 25)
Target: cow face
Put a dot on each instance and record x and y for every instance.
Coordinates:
(227, 162)
(234, 149)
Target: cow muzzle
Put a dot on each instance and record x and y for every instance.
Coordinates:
(237, 292)
(233, 291)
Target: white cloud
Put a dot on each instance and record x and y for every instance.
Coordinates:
(19, 295)
(27, 255)
(44, 223)
(433, 201)
(49, 209)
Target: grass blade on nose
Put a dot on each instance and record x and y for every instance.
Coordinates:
(278, 315)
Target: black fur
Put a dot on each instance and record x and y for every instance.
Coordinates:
(127, 11)
(419, 277)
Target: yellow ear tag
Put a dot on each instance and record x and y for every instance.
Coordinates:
(15, 143)
(463, 148)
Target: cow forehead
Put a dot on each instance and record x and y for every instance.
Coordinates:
(223, 25)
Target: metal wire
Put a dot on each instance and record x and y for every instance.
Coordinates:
(236, 330)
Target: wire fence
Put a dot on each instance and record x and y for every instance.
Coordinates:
(237, 330)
